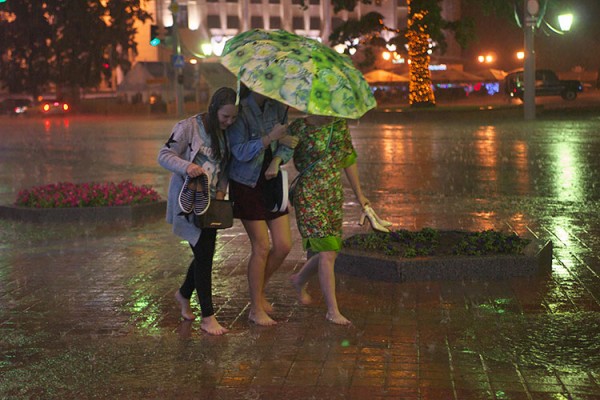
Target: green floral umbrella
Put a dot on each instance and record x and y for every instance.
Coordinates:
(299, 72)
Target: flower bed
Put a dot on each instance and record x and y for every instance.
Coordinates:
(65, 195)
(111, 202)
(431, 242)
(449, 255)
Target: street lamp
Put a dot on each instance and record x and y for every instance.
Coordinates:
(486, 58)
(532, 8)
(533, 17)
(565, 21)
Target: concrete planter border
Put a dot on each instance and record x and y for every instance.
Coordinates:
(536, 258)
(129, 215)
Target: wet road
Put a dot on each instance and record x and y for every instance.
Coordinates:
(88, 311)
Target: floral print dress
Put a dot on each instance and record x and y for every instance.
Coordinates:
(318, 196)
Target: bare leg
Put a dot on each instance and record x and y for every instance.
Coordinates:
(300, 279)
(186, 309)
(327, 281)
(211, 326)
(281, 238)
(259, 239)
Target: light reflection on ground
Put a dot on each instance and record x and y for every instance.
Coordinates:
(90, 309)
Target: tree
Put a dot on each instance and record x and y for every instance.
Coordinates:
(24, 50)
(421, 15)
(65, 42)
(425, 32)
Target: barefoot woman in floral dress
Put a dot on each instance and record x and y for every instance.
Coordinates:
(324, 149)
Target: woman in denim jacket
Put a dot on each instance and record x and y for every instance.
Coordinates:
(197, 146)
(259, 144)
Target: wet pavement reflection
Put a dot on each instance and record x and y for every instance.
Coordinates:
(87, 311)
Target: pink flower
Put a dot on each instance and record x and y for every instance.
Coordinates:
(67, 194)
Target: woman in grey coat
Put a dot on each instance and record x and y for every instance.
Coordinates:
(198, 146)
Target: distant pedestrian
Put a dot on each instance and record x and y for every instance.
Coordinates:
(198, 148)
(324, 150)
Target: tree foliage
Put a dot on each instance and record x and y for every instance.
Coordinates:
(426, 31)
(67, 43)
(24, 36)
(369, 28)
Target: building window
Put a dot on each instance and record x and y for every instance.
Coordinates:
(274, 1)
(256, 22)
(296, 2)
(315, 2)
(233, 22)
(255, 1)
(298, 23)
(213, 22)
(275, 22)
(315, 23)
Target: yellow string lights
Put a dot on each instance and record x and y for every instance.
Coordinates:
(420, 90)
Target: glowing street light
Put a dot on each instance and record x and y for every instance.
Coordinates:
(340, 48)
(206, 48)
(487, 58)
(565, 21)
(533, 18)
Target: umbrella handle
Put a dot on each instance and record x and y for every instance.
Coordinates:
(284, 115)
(238, 86)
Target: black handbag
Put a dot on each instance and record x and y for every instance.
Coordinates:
(218, 216)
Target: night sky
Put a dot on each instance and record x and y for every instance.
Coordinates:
(579, 47)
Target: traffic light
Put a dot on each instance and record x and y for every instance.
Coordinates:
(160, 34)
(106, 69)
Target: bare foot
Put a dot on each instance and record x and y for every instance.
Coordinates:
(337, 318)
(261, 318)
(211, 326)
(266, 306)
(303, 295)
(186, 309)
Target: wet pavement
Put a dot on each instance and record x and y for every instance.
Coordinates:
(87, 311)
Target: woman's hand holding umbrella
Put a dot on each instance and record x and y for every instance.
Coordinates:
(289, 141)
(279, 133)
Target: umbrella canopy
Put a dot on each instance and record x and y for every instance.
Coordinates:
(380, 75)
(299, 72)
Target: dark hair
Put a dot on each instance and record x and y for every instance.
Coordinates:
(244, 91)
(222, 97)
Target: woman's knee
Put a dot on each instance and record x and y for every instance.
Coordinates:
(282, 247)
(261, 249)
(327, 257)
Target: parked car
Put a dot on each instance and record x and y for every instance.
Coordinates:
(15, 106)
(54, 106)
(546, 84)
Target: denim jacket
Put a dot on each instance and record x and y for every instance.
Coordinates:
(244, 138)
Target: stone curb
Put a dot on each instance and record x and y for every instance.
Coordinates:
(536, 258)
(129, 215)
